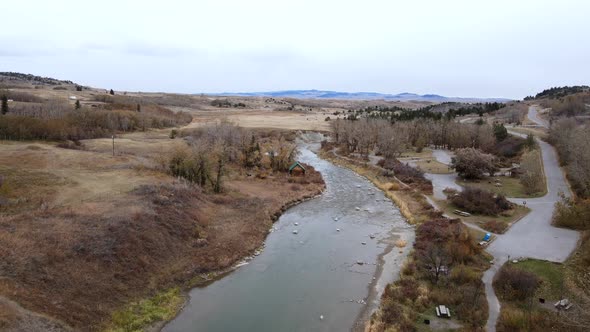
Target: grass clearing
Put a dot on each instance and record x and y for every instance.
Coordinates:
(550, 273)
(531, 315)
(511, 187)
(139, 315)
(425, 153)
(433, 166)
(505, 221)
(425, 161)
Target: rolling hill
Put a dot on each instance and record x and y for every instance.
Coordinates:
(322, 94)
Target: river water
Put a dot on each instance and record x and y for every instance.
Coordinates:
(310, 281)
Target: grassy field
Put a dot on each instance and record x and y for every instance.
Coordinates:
(511, 187)
(424, 154)
(433, 166)
(503, 221)
(425, 161)
(264, 119)
(551, 274)
(531, 315)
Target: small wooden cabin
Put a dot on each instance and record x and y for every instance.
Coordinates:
(297, 169)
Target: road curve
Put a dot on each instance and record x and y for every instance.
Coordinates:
(533, 236)
(533, 115)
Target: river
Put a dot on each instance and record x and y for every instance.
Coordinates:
(312, 280)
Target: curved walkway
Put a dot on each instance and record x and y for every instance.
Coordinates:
(533, 236)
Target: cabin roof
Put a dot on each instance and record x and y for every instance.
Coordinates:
(295, 165)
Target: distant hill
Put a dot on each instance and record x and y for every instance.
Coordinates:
(321, 94)
(20, 77)
(560, 91)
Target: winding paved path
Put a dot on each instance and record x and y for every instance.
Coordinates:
(533, 236)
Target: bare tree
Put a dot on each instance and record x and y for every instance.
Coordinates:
(436, 259)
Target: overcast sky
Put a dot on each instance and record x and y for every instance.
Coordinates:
(455, 48)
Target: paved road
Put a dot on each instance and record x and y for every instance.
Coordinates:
(533, 236)
(533, 115)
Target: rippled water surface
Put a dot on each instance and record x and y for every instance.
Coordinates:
(300, 277)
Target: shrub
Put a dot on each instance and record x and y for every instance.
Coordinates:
(73, 145)
(473, 164)
(512, 283)
(572, 213)
(409, 268)
(403, 172)
(531, 176)
(495, 226)
(221, 103)
(463, 275)
(479, 201)
(509, 147)
(513, 319)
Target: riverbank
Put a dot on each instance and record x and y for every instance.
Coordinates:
(395, 310)
(153, 313)
(411, 201)
(321, 265)
(86, 233)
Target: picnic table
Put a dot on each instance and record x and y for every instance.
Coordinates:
(563, 304)
(443, 311)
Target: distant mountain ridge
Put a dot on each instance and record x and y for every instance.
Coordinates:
(322, 94)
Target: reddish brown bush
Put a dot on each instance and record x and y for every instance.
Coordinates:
(495, 226)
(479, 201)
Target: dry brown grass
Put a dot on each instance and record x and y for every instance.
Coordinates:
(264, 119)
(85, 233)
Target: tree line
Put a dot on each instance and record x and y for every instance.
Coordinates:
(453, 110)
(84, 124)
(572, 141)
(559, 92)
(391, 139)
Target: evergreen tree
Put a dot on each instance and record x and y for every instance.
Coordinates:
(530, 141)
(4, 104)
(112, 93)
(500, 132)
